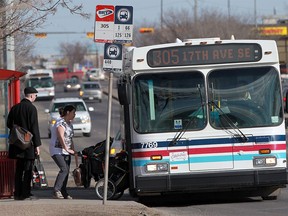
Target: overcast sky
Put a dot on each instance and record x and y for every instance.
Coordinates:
(143, 10)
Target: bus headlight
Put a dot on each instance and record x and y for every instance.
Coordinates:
(157, 167)
(264, 161)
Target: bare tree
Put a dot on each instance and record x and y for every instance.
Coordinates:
(73, 53)
(18, 18)
(181, 24)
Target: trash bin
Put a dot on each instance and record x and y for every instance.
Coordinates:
(7, 171)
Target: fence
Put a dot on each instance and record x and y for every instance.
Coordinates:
(7, 171)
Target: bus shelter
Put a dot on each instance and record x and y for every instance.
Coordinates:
(9, 95)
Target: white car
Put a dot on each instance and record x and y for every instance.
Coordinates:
(82, 120)
(95, 74)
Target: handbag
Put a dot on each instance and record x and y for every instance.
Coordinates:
(20, 137)
(77, 173)
(39, 179)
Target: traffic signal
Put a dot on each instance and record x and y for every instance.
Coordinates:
(40, 35)
(146, 30)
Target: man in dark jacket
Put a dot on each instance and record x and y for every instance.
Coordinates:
(25, 115)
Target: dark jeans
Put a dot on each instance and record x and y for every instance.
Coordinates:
(63, 162)
(23, 178)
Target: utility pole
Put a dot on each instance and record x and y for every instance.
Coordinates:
(255, 13)
(161, 18)
(229, 8)
(10, 47)
(195, 11)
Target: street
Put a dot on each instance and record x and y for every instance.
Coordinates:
(98, 133)
(203, 204)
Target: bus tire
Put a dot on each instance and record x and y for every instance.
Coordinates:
(133, 193)
(118, 195)
(271, 194)
(269, 197)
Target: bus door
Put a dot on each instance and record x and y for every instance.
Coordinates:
(179, 157)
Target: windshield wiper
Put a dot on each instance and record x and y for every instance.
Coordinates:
(239, 133)
(182, 131)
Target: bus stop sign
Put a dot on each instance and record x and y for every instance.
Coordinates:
(104, 24)
(112, 57)
(113, 24)
(123, 24)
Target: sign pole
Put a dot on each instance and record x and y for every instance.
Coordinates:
(108, 138)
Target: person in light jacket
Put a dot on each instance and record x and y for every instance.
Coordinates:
(61, 148)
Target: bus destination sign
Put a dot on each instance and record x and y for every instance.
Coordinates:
(204, 54)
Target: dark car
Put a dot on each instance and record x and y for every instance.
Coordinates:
(72, 85)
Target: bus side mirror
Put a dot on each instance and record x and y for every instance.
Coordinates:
(123, 93)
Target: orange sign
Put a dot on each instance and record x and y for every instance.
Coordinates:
(281, 30)
(40, 35)
(90, 34)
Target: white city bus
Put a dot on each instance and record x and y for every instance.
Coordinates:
(42, 81)
(204, 115)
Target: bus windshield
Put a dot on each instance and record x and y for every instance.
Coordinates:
(245, 97)
(236, 98)
(169, 102)
(42, 82)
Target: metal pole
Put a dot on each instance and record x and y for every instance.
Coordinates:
(108, 138)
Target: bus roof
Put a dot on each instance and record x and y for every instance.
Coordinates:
(200, 52)
(39, 73)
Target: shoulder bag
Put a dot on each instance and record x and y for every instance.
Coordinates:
(20, 137)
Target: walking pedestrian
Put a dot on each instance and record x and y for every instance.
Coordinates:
(61, 149)
(24, 114)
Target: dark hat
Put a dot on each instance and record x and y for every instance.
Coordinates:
(30, 90)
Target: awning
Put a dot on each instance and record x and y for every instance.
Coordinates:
(10, 74)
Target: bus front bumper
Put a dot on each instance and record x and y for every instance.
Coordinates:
(210, 182)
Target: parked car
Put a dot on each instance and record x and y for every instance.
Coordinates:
(91, 91)
(95, 74)
(82, 120)
(72, 85)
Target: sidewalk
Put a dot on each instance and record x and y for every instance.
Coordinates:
(84, 203)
